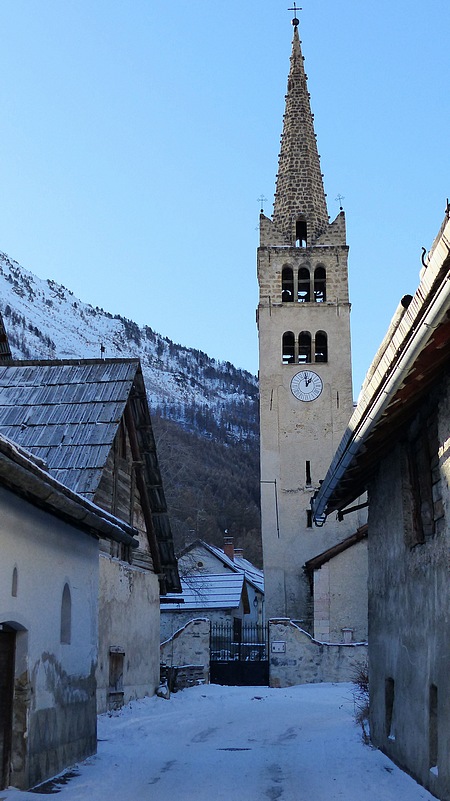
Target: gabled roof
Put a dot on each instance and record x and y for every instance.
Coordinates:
(20, 473)
(206, 591)
(67, 414)
(412, 357)
(253, 574)
(322, 558)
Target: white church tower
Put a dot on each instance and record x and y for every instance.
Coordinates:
(304, 356)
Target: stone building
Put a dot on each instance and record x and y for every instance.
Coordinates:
(49, 578)
(304, 358)
(88, 422)
(397, 447)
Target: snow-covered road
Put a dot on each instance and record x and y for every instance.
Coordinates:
(215, 743)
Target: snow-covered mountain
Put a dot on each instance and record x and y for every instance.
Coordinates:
(45, 320)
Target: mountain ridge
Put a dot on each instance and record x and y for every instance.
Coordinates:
(205, 412)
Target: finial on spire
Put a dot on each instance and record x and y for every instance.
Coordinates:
(339, 199)
(261, 200)
(295, 21)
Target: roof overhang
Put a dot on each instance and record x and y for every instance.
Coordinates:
(408, 363)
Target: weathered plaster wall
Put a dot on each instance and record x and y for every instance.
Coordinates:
(340, 596)
(189, 646)
(129, 625)
(409, 602)
(296, 658)
(54, 704)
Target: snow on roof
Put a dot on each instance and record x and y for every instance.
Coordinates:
(252, 573)
(206, 591)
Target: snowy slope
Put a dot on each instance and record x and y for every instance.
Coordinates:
(45, 320)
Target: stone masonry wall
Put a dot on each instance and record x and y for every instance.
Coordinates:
(296, 658)
(189, 646)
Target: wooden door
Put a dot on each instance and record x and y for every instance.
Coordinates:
(7, 648)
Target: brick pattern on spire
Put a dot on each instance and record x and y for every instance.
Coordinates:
(299, 190)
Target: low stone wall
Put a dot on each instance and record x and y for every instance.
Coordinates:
(296, 658)
(189, 647)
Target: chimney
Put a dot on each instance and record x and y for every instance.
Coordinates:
(239, 552)
(228, 547)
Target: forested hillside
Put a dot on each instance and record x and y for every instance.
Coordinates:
(205, 412)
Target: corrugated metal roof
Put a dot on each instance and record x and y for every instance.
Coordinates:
(66, 413)
(207, 591)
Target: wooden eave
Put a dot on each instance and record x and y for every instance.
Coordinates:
(322, 558)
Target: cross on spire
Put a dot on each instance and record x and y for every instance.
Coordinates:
(295, 21)
(261, 200)
(340, 198)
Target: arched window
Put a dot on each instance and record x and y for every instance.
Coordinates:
(300, 234)
(320, 289)
(287, 285)
(304, 292)
(304, 347)
(321, 347)
(288, 351)
(66, 615)
(14, 583)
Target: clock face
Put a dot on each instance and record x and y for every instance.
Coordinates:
(306, 385)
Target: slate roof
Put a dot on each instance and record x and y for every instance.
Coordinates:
(223, 591)
(253, 574)
(21, 474)
(53, 408)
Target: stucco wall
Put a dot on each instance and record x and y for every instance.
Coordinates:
(296, 658)
(409, 603)
(189, 645)
(128, 626)
(54, 705)
(340, 596)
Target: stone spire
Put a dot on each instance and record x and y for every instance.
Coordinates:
(299, 194)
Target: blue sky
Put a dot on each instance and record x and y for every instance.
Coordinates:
(137, 135)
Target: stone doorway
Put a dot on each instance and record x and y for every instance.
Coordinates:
(7, 650)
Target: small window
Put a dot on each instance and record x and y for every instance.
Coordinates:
(433, 728)
(389, 688)
(288, 354)
(321, 347)
(304, 289)
(66, 615)
(287, 285)
(308, 473)
(320, 294)
(300, 234)
(304, 347)
(14, 583)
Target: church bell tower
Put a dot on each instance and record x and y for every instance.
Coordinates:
(304, 355)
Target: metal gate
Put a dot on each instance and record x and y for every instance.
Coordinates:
(239, 654)
(7, 648)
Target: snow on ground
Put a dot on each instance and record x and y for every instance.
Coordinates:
(211, 743)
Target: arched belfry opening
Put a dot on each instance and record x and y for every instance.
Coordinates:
(287, 285)
(301, 231)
